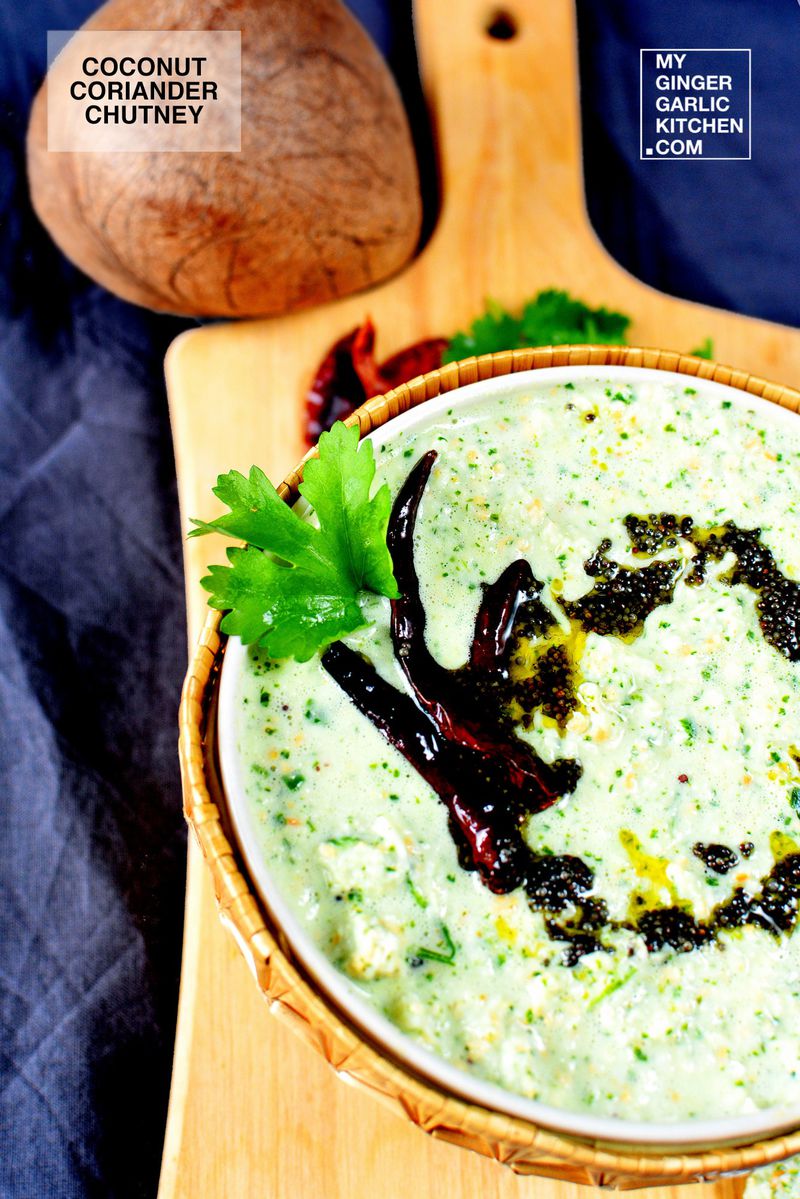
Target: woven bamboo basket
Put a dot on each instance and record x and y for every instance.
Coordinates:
(524, 1147)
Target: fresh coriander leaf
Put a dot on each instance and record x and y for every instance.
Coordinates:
(292, 611)
(552, 318)
(494, 330)
(295, 588)
(337, 485)
(706, 350)
(258, 516)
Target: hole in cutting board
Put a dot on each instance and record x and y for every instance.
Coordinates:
(501, 26)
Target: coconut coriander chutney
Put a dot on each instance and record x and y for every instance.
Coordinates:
(545, 814)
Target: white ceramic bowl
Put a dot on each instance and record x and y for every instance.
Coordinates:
(686, 1134)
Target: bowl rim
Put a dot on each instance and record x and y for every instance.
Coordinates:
(525, 1146)
(369, 1019)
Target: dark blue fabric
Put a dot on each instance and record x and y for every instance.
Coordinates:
(723, 233)
(92, 646)
(92, 649)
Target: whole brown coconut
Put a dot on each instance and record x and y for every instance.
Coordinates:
(322, 199)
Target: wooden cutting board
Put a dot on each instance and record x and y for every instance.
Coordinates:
(253, 1111)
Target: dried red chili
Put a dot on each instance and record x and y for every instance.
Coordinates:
(349, 375)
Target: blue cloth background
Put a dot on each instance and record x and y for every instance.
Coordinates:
(91, 611)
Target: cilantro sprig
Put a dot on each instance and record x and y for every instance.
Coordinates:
(294, 587)
(551, 318)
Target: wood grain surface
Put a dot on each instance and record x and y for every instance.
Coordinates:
(253, 1111)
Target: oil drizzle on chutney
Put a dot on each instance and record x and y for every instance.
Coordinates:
(457, 727)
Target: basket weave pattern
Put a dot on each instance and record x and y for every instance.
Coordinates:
(523, 1146)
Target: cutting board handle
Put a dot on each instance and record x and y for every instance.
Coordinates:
(506, 119)
(252, 1112)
